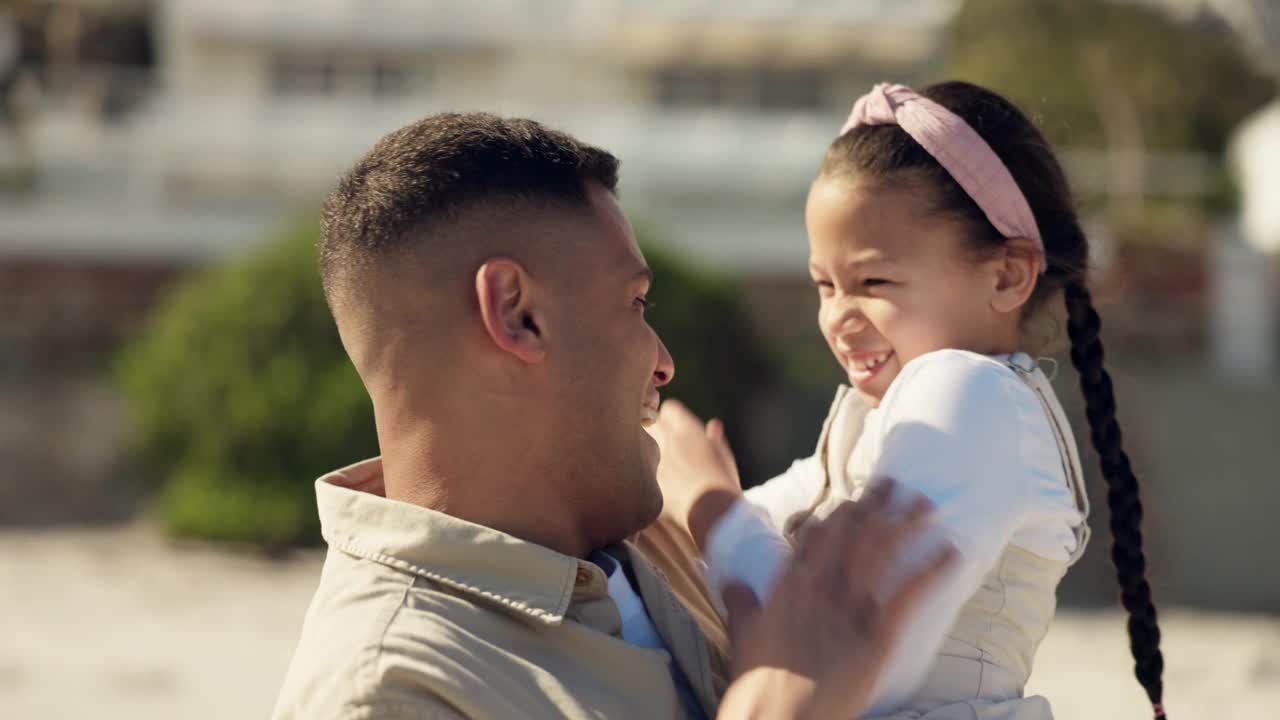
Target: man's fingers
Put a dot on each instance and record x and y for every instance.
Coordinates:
(879, 497)
(741, 602)
(743, 607)
(884, 541)
(864, 538)
(819, 554)
(900, 604)
(918, 515)
(858, 528)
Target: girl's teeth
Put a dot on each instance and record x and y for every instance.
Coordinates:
(873, 362)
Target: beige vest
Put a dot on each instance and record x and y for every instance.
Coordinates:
(987, 656)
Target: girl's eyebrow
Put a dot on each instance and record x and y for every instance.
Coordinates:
(871, 259)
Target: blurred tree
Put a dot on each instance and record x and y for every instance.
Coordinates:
(241, 394)
(722, 365)
(1118, 76)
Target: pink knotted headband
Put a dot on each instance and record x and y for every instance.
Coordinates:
(958, 148)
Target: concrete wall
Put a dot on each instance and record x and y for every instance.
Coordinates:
(1207, 453)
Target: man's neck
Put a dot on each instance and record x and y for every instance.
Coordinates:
(491, 487)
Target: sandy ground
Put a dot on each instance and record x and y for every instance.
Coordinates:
(119, 624)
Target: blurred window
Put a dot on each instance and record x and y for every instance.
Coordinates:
(339, 75)
(389, 79)
(688, 86)
(303, 76)
(749, 88)
(791, 89)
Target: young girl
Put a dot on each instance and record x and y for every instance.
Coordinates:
(940, 225)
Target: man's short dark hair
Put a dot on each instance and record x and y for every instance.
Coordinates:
(441, 166)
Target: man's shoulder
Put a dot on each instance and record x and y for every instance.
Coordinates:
(372, 640)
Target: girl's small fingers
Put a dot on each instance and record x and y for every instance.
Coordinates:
(720, 443)
(718, 438)
(676, 412)
(715, 429)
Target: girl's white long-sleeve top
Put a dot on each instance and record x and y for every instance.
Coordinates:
(972, 435)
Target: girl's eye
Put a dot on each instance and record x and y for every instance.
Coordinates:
(644, 303)
(871, 282)
(823, 285)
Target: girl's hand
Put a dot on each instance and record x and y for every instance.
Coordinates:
(697, 473)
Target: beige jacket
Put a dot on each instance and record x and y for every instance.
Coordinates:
(421, 615)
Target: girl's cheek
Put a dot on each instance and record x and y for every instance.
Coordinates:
(824, 319)
(882, 316)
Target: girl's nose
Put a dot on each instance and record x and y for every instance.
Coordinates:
(847, 322)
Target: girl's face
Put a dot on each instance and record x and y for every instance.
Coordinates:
(897, 282)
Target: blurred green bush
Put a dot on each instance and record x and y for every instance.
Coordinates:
(241, 395)
(722, 364)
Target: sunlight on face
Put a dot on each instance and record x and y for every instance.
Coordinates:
(895, 281)
(612, 364)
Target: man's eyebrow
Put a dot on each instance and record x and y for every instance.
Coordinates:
(645, 274)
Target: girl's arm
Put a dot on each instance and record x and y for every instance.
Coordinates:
(789, 493)
(955, 429)
(701, 492)
(746, 543)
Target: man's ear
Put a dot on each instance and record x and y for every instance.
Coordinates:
(507, 309)
(1016, 270)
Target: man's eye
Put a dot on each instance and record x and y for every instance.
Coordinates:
(870, 282)
(824, 284)
(645, 303)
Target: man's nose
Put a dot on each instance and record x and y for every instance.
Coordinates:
(666, 368)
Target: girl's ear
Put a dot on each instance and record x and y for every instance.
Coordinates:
(1016, 269)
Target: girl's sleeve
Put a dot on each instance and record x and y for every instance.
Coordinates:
(747, 544)
(952, 428)
(789, 493)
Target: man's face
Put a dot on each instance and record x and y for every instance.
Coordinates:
(610, 364)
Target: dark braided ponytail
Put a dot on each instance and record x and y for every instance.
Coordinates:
(1083, 326)
(886, 153)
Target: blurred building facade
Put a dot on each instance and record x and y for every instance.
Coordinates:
(146, 139)
(247, 110)
(142, 140)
